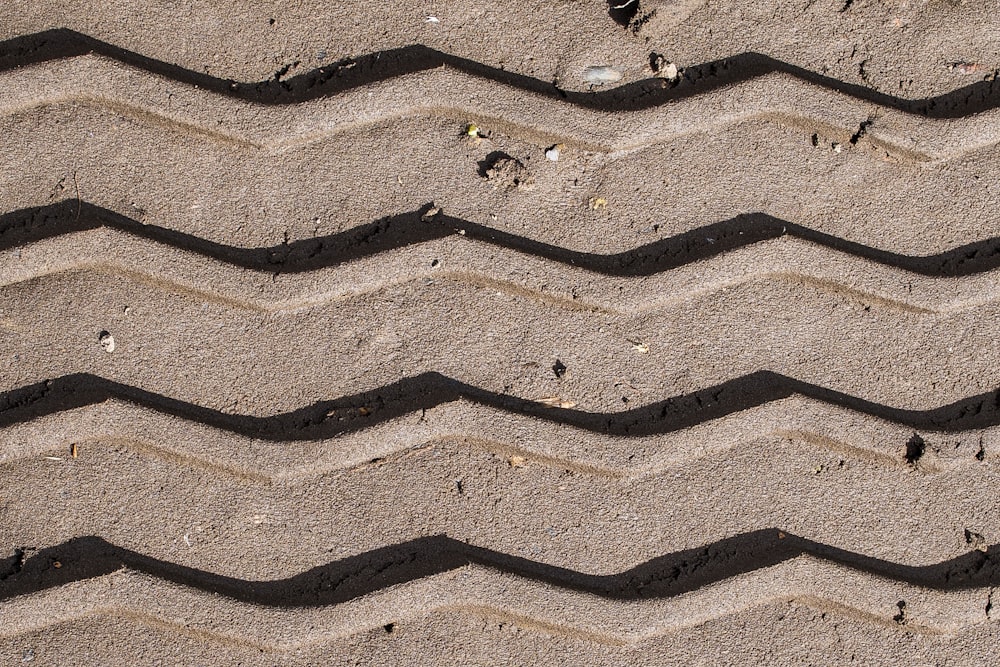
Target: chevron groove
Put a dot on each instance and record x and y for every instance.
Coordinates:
(694, 578)
(949, 282)
(327, 419)
(909, 128)
(63, 43)
(817, 424)
(398, 231)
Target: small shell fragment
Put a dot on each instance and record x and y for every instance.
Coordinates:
(598, 75)
(638, 346)
(556, 402)
(552, 153)
(965, 67)
(107, 341)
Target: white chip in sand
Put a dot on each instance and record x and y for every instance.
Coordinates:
(598, 75)
(107, 341)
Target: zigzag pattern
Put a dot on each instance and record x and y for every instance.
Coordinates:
(341, 581)
(398, 231)
(624, 597)
(733, 90)
(337, 78)
(351, 413)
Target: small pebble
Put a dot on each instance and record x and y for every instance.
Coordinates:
(107, 341)
(552, 153)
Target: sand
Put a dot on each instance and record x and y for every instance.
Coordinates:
(300, 368)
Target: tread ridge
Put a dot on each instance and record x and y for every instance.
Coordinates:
(63, 43)
(356, 576)
(327, 419)
(393, 232)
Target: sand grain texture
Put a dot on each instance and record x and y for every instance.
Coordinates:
(313, 355)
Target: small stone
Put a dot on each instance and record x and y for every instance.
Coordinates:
(975, 540)
(669, 72)
(107, 341)
(552, 153)
(516, 461)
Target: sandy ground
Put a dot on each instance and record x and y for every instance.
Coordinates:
(313, 355)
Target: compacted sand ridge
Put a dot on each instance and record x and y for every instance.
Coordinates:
(479, 333)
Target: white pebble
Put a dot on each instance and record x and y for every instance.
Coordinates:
(107, 341)
(598, 75)
(669, 72)
(553, 153)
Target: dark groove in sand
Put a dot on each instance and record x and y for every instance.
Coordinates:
(391, 233)
(343, 580)
(328, 419)
(383, 65)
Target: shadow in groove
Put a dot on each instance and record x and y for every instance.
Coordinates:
(349, 578)
(404, 229)
(383, 65)
(327, 419)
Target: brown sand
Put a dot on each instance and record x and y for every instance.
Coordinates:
(300, 375)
